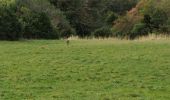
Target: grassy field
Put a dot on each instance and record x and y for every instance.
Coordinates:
(85, 70)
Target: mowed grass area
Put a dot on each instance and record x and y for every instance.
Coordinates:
(85, 70)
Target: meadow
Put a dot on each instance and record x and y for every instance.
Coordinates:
(85, 70)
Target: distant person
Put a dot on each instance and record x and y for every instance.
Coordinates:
(68, 42)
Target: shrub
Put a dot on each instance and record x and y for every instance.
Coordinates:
(30, 10)
(103, 32)
(139, 29)
(65, 30)
(111, 18)
(37, 25)
(10, 27)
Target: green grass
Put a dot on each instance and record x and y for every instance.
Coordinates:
(85, 70)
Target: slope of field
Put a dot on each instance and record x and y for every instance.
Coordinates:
(85, 70)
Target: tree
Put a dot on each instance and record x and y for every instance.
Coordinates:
(10, 27)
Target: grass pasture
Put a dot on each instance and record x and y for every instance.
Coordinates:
(85, 70)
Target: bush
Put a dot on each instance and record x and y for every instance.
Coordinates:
(103, 32)
(155, 18)
(65, 30)
(139, 29)
(31, 9)
(37, 25)
(10, 27)
(111, 18)
(117, 33)
(18, 21)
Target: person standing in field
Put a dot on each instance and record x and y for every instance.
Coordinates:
(68, 42)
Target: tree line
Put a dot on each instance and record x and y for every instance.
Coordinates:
(55, 19)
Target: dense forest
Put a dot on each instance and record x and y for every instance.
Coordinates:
(55, 19)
